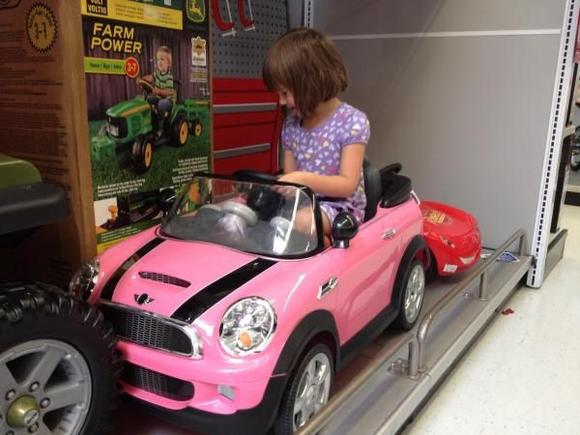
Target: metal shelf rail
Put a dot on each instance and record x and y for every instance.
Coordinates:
(414, 347)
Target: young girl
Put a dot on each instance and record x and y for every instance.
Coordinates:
(323, 138)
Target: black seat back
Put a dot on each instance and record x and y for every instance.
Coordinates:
(396, 189)
(373, 189)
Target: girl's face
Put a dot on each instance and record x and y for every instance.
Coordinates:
(286, 98)
(162, 63)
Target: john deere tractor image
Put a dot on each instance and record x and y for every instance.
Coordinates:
(137, 127)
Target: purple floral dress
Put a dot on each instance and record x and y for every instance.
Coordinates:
(319, 149)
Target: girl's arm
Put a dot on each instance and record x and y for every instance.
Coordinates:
(289, 163)
(338, 186)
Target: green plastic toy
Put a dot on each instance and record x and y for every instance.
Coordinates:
(135, 123)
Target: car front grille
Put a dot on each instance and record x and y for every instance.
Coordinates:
(157, 383)
(147, 329)
(120, 124)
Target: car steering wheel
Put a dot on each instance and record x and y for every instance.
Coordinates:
(146, 86)
(249, 175)
(241, 210)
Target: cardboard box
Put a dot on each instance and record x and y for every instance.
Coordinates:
(66, 68)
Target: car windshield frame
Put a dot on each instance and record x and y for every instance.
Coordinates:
(175, 209)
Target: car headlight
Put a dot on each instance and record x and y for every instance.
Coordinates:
(113, 130)
(84, 281)
(247, 326)
(467, 260)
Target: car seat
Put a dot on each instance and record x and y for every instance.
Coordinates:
(396, 189)
(373, 189)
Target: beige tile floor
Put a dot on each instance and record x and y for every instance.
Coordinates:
(523, 376)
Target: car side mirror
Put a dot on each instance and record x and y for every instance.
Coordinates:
(166, 200)
(344, 228)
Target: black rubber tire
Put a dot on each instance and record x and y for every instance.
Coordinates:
(39, 311)
(141, 161)
(178, 123)
(402, 322)
(431, 273)
(283, 424)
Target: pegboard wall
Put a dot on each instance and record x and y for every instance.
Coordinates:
(240, 40)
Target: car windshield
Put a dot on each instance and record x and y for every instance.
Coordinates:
(271, 219)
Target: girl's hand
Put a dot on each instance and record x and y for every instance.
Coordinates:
(296, 177)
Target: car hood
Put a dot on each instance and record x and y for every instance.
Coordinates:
(129, 107)
(164, 276)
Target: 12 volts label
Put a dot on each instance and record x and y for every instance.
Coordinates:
(97, 7)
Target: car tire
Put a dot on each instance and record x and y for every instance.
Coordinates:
(313, 393)
(197, 128)
(58, 363)
(142, 154)
(432, 272)
(180, 131)
(411, 291)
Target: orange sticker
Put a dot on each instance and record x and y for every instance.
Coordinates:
(436, 217)
(41, 27)
(131, 67)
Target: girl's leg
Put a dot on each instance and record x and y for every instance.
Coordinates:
(303, 223)
(326, 229)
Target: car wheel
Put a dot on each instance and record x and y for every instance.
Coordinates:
(180, 131)
(58, 363)
(307, 392)
(412, 291)
(197, 128)
(142, 154)
(431, 272)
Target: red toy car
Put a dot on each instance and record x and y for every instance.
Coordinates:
(452, 235)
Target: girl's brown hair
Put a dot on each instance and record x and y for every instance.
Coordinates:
(306, 63)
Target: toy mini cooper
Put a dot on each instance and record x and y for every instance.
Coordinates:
(233, 320)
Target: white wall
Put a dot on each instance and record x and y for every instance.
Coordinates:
(466, 113)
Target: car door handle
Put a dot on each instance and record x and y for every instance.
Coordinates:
(389, 234)
(327, 287)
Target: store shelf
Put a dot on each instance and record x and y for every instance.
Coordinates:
(382, 393)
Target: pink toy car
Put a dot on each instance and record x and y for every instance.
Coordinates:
(233, 318)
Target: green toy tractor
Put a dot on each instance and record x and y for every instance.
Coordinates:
(135, 124)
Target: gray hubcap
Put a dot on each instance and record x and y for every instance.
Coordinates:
(414, 293)
(45, 389)
(313, 390)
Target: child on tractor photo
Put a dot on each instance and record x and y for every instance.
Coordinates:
(161, 81)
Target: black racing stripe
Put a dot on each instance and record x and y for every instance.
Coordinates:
(114, 280)
(213, 293)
